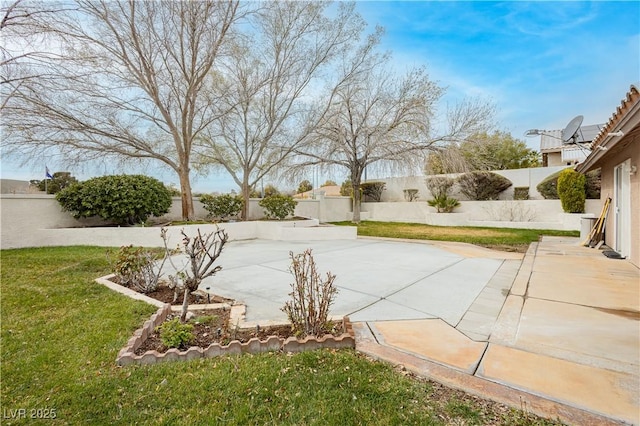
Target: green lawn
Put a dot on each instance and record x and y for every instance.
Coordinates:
(502, 238)
(61, 333)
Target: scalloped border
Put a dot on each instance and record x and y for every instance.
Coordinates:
(127, 355)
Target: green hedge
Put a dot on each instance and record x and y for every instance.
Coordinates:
(480, 186)
(223, 206)
(571, 189)
(121, 199)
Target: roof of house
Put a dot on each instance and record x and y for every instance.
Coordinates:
(551, 140)
(620, 131)
(632, 98)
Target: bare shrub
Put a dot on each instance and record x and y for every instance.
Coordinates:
(202, 251)
(308, 309)
(510, 211)
(135, 268)
(440, 185)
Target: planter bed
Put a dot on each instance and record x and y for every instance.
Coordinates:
(127, 355)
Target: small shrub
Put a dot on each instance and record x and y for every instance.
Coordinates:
(571, 189)
(308, 309)
(480, 186)
(443, 203)
(122, 199)
(329, 182)
(278, 206)
(304, 186)
(549, 186)
(134, 268)
(175, 334)
(223, 206)
(372, 190)
(410, 194)
(440, 185)
(521, 193)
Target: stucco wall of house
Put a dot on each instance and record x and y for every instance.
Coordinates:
(608, 166)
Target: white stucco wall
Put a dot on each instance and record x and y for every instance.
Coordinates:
(519, 177)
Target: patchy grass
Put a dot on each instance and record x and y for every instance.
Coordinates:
(61, 333)
(507, 239)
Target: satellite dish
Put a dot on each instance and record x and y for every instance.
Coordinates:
(569, 132)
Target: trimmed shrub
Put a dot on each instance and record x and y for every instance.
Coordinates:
(175, 334)
(571, 189)
(329, 182)
(549, 186)
(410, 194)
(521, 193)
(372, 191)
(122, 199)
(223, 206)
(278, 206)
(480, 186)
(440, 185)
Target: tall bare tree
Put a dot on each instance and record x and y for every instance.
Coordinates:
(134, 84)
(269, 81)
(25, 28)
(378, 118)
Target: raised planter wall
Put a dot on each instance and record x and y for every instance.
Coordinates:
(33, 220)
(127, 355)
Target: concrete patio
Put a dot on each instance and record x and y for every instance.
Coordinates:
(566, 343)
(555, 332)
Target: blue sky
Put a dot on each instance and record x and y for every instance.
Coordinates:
(541, 63)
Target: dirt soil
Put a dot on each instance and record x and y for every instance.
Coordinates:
(166, 295)
(212, 326)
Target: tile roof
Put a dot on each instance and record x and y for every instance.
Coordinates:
(633, 96)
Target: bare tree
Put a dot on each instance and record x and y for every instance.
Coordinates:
(381, 119)
(268, 81)
(134, 84)
(25, 28)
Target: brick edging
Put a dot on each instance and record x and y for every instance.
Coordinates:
(127, 355)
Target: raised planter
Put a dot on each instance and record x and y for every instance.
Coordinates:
(127, 355)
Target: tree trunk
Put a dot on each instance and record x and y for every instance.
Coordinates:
(185, 304)
(187, 197)
(245, 197)
(356, 201)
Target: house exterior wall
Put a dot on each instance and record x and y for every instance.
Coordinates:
(607, 168)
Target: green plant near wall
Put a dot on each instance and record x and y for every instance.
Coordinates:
(481, 186)
(571, 189)
(278, 206)
(225, 206)
(443, 203)
(122, 199)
